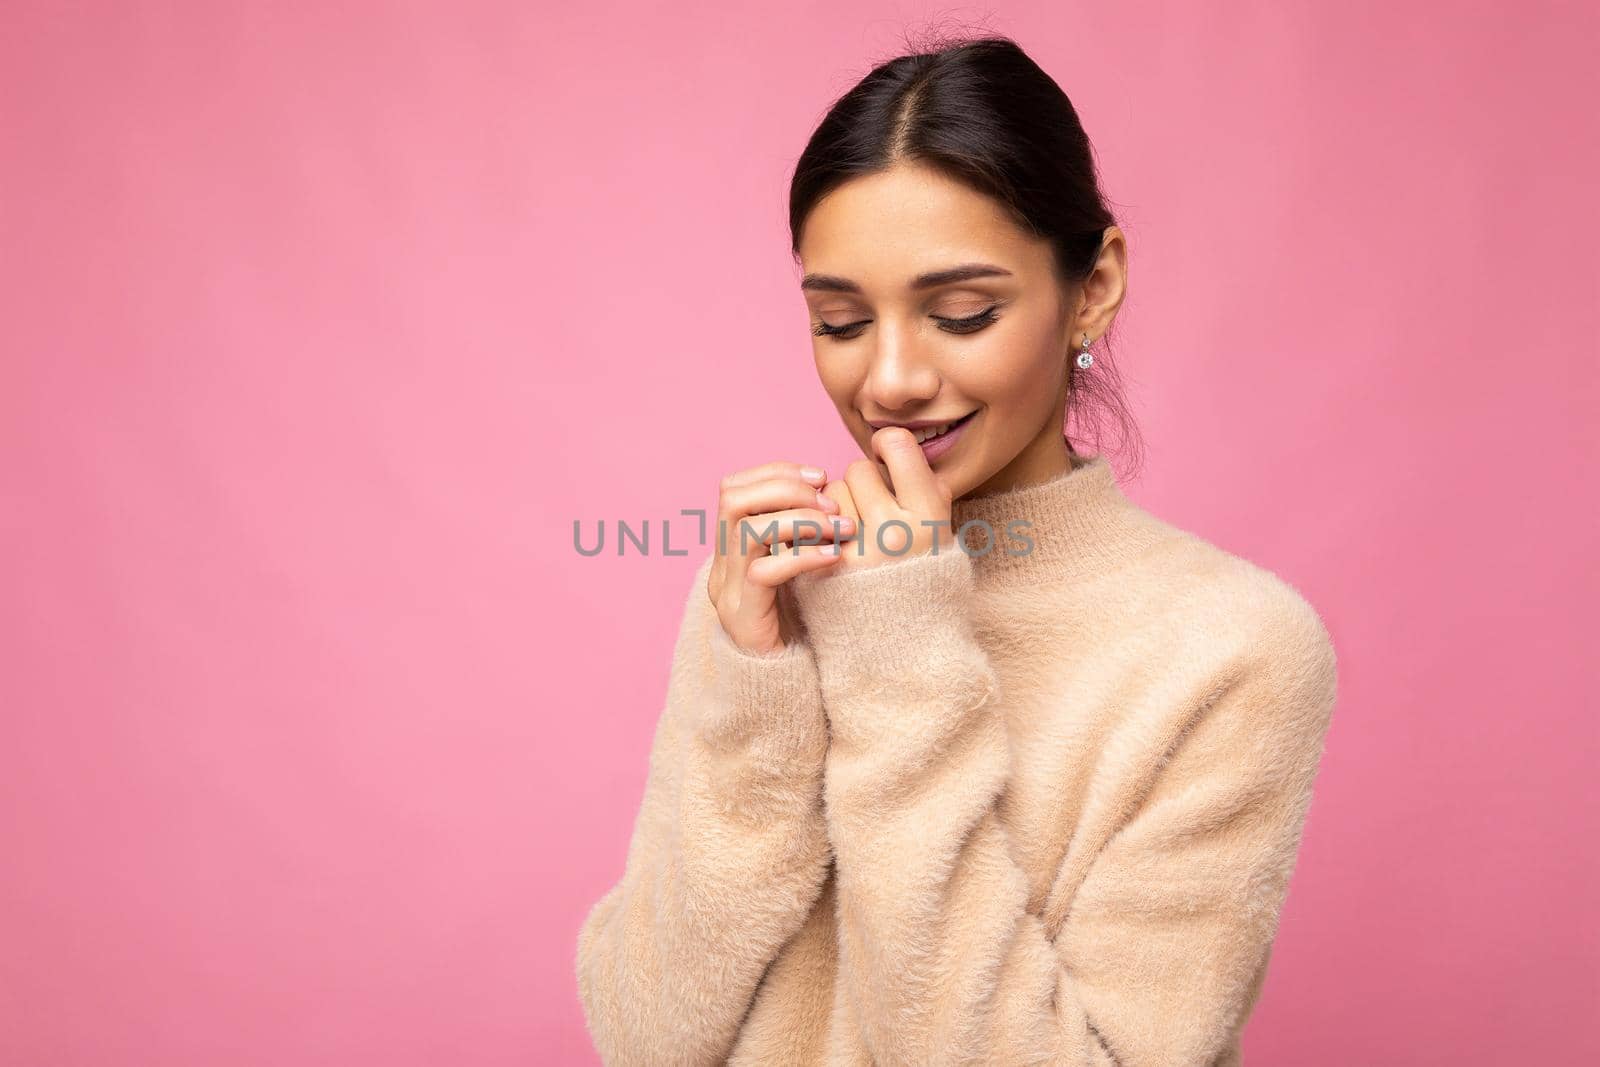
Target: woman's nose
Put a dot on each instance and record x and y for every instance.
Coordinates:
(901, 372)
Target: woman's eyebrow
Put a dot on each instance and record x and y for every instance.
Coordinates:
(832, 283)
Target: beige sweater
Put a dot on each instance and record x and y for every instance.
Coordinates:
(1000, 809)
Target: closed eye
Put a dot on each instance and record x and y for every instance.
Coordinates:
(851, 330)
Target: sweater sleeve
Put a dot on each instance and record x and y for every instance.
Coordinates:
(1160, 956)
(728, 853)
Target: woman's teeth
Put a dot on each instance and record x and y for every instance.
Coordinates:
(934, 431)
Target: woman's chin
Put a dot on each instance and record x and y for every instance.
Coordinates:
(955, 478)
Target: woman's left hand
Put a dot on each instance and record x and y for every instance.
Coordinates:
(920, 500)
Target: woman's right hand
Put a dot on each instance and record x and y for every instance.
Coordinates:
(748, 568)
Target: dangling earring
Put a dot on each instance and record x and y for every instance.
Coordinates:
(1085, 357)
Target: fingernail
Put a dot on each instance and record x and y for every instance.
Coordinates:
(826, 502)
(845, 524)
(831, 549)
(813, 474)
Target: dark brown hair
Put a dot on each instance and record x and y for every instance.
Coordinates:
(983, 113)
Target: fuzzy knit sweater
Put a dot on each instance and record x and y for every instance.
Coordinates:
(1035, 808)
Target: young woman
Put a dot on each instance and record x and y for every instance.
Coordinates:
(1004, 770)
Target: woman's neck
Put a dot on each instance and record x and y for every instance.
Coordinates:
(1045, 457)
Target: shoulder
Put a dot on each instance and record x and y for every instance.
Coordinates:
(1252, 624)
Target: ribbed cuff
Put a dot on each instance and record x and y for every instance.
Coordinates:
(770, 699)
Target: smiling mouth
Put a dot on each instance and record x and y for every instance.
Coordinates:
(933, 432)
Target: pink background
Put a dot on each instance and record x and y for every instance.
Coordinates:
(321, 325)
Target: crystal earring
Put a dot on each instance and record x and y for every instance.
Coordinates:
(1085, 357)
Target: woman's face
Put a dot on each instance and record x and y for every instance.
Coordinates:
(885, 259)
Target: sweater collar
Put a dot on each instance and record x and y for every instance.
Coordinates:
(1079, 521)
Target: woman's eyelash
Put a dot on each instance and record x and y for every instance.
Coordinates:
(849, 331)
(974, 322)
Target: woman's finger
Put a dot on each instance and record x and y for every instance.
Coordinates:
(803, 472)
(772, 571)
(737, 500)
(804, 525)
(872, 497)
(838, 491)
(740, 501)
(916, 487)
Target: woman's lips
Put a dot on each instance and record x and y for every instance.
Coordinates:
(934, 447)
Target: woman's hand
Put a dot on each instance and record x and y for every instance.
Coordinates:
(780, 505)
(920, 500)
